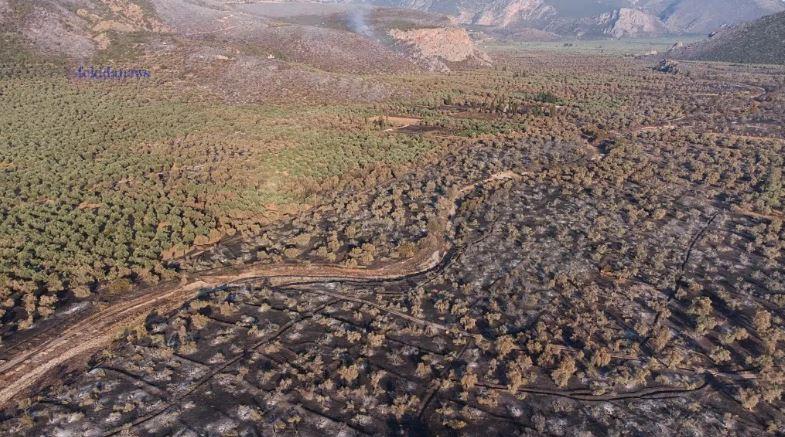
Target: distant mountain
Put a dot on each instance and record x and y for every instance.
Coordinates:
(759, 42)
(615, 18)
(616, 23)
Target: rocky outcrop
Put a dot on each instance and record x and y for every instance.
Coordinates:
(628, 22)
(437, 48)
(503, 13)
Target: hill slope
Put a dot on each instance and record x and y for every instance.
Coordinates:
(304, 39)
(759, 42)
(78, 28)
(704, 16)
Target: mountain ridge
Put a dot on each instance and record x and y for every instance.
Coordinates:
(613, 18)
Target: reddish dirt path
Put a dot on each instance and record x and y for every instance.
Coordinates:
(28, 367)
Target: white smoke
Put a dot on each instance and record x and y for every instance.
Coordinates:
(358, 21)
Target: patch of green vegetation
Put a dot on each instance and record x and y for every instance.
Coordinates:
(546, 97)
(148, 8)
(475, 128)
(623, 46)
(14, 52)
(261, 51)
(126, 46)
(99, 178)
(332, 21)
(323, 157)
(404, 25)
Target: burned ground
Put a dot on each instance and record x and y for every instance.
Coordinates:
(613, 260)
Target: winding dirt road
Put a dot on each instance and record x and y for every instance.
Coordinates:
(28, 366)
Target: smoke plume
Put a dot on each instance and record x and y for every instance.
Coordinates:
(358, 21)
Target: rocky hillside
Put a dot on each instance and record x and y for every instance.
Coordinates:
(759, 42)
(438, 48)
(79, 28)
(617, 23)
(705, 16)
(631, 22)
(616, 18)
(275, 36)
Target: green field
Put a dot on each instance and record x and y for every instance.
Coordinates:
(631, 46)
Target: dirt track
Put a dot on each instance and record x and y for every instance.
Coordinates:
(28, 366)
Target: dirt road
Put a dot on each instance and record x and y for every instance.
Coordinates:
(28, 366)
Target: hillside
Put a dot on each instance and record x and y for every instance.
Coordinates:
(759, 42)
(293, 39)
(705, 16)
(79, 28)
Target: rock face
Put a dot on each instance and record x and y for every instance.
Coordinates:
(632, 22)
(506, 13)
(436, 48)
